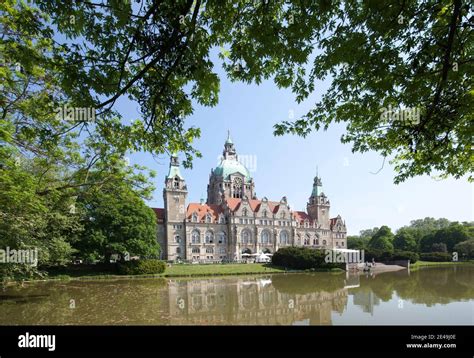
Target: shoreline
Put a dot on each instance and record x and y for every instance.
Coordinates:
(379, 268)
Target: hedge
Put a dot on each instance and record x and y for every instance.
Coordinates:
(141, 267)
(436, 256)
(302, 258)
(379, 255)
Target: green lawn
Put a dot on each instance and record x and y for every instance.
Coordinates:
(219, 269)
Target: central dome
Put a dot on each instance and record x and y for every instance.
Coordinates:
(231, 166)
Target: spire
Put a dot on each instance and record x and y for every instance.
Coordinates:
(229, 140)
(229, 150)
(174, 166)
(317, 185)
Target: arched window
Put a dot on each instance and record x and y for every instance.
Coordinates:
(209, 237)
(221, 237)
(265, 237)
(284, 238)
(209, 250)
(221, 219)
(246, 237)
(195, 250)
(177, 239)
(265, 213)
(176, 183)
(196, 237)
(245, 212)
(208, 218)
(307, 240)
(195, 217)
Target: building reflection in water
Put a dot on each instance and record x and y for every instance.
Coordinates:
(249, 301)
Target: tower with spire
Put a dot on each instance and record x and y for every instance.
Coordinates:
(318, 204)
(174, 197)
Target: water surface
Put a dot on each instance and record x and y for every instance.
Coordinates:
(435, 296)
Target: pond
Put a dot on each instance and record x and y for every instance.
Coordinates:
(434, 296)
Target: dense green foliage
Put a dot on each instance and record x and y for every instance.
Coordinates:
(382, 240)
(380, 255)
(423, 236)
(410, 54)
(436, 256)
(117, 221)
(465, 249)
(141, 267)
(302, 258)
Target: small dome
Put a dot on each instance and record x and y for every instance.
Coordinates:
(231, 166)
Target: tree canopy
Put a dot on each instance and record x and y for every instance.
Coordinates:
(405, 55)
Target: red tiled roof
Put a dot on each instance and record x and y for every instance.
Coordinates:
(203, 209)
(255, 204)
(301, 216)
(160, 213)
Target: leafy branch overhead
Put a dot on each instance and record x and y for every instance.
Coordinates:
(383, 58)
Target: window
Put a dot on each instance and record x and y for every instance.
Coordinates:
(177, 239)
(195, 250)
(178, 250)
(315, 242)
(306, 223)
(195, 218)
(209, 237)
(245, 212)
(284, 239)
(265, 238)
(209, 250)
(264, 213)
(208, 218)
(342, 243)
(324, 242)
(176, 183)
(221, 219)
(195, 237)
(222, 250)
(245, 237)
(221, 237)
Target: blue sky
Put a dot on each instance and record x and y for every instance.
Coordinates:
(286, 166)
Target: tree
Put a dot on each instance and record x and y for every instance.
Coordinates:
(405, 241)
(357, 242)
(450, 236)
(465, 248)
(368, 233)
(382, 240)
(439, 247)
(116, 221)
(378, 54)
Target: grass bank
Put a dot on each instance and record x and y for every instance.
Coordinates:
(419, 264)
(177, 270)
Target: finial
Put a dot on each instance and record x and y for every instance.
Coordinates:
(229, 140)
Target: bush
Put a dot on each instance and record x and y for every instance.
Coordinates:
(141, 267)
(436, 256)
(405, 255)
(379, 255)
(301, 258)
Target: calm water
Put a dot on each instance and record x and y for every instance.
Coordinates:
(428, 296)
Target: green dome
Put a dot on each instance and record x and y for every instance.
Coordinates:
(231, 166)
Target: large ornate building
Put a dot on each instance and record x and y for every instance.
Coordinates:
(234, 221)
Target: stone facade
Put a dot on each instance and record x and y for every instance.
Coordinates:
(233, 221)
